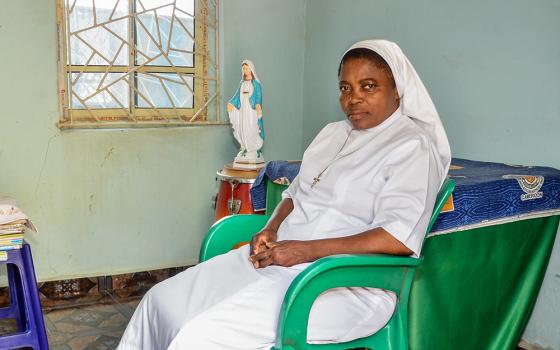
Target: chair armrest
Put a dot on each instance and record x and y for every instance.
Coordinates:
(389, 272)
(227, 232)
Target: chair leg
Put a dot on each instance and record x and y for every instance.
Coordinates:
(30, 283)
(17, 297)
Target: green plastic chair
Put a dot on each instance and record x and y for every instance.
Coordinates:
(388, 272)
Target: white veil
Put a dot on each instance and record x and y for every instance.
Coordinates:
(415, 102)
(252, 67)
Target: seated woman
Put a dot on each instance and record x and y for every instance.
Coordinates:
(367, 184)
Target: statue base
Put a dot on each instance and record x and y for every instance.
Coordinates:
(239, 173)
(247, 165)
(250, 163)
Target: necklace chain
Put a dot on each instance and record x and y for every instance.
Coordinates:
(317, 178)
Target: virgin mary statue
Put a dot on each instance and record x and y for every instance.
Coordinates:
(245, 115)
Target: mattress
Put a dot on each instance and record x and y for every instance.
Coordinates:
(491, 193)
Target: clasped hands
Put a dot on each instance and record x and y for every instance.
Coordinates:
(266, 250)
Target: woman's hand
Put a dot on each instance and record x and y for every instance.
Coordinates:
(269, 234)
(259, 241)
(229, 107)
(283, 253)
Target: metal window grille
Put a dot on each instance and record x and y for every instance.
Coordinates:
(134, 63)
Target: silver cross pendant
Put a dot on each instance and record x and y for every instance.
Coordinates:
(315, 181)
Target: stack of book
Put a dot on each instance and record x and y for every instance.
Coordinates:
(13, 222)
(11, 234)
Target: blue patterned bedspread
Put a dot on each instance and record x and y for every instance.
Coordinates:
(485, 193)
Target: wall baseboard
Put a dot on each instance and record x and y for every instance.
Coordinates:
(95, 290)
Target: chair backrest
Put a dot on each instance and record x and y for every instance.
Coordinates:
(444, 192)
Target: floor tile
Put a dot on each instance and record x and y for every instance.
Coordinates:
(49, 324)
(82, 342)
(87, 317)
(58, 338)
(56, 315)
(71, 328)
(104, 342)
(116, 320)
(94, 327)
(8, 326)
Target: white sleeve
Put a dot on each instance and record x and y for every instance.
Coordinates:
(291, 191)
(405, 202)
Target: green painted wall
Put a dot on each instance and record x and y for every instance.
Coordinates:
(112, 201)
(492, 68)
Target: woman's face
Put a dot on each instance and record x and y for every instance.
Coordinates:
(368, 94)
(246, 72)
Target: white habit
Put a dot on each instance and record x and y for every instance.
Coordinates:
(386, 176)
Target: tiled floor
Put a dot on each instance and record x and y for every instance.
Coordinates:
(96, 327)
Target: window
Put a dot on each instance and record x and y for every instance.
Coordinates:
(127, 63)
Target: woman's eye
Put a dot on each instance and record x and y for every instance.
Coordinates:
(369, 86)
(343, 88)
